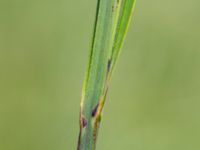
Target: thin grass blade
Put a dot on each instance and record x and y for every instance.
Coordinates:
(111, 23)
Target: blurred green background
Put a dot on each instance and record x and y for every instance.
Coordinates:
(154, 99)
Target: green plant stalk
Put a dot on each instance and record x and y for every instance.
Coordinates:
(111, 24)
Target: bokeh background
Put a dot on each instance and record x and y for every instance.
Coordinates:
(154, 98)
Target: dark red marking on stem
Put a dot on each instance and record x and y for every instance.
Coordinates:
(94, 111)
(83, 122)
(109, 65)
